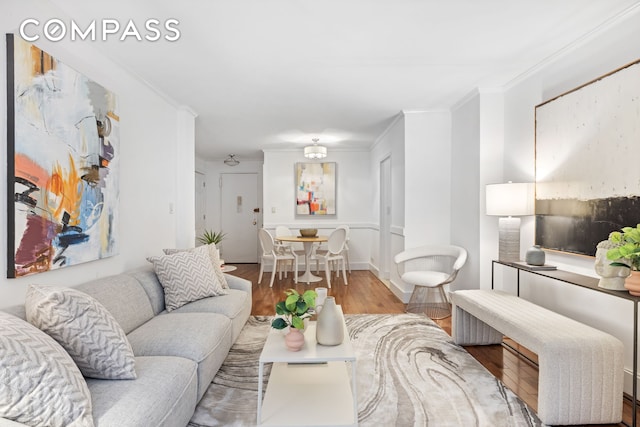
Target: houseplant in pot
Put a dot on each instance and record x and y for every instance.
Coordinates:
(210, 236)
(292, 313)
(627, 255)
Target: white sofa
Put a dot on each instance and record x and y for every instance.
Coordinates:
(177, 353)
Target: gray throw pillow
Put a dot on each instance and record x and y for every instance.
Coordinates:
(214, 256)
(79, 323)
(40, 385)
(186, 277)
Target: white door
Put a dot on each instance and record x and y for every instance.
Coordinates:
(239, 217)
(385, 217)
(201, 205)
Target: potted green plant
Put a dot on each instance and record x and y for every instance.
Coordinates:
(627, 254)
(292, 312)
(210, 236)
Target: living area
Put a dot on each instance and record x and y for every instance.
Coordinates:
(435, 160)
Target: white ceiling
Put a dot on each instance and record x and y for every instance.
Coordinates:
(264, 74)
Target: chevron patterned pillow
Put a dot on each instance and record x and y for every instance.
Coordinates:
(41, 386)
(79, 323)
(186, 277)
(214, 256)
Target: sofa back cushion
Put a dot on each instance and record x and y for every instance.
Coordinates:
(147, 278)
(124, 297)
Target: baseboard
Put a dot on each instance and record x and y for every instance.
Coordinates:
(393, 287)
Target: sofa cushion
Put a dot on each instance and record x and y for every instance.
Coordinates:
(123, 296)
(214, 256)
(204, 338)
(186, 276)
(86, 330)
(32, 365)
(163, 395)
(236, 305)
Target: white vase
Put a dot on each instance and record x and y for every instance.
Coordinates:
(330, 325)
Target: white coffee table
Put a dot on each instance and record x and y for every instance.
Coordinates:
(310, 387)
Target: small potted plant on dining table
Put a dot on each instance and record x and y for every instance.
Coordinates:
(627, 255)
(292, 313)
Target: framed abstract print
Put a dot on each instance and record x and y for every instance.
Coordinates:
(63, 163)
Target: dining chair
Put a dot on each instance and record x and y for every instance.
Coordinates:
(270, 253)
(334, 254)
(282, 230)
(346, 247)
(429, 268)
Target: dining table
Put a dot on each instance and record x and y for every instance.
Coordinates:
(308, 242)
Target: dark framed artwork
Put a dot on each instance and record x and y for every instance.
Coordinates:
(63, 164)
(587, 151)
(315, 188)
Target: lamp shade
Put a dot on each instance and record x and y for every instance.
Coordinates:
(315, 151)
(510, 199)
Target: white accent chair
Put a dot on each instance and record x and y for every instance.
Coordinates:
(429, 268)
(270, 252)
(334, 254)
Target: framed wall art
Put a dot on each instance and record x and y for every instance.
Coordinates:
(587, 151)
(315, 188)
(62, 164)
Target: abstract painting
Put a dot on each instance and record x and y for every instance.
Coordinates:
(316, 188)
(587, 151)
(62, 164)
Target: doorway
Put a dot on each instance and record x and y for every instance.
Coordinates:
(385, 217)
(201, 205)
(239, 217)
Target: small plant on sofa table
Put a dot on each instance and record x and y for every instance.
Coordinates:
(294, 309)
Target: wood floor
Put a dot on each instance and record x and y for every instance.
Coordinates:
(366, 294)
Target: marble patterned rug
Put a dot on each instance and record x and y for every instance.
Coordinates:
(409, 373)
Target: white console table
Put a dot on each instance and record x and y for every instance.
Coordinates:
(589, 283)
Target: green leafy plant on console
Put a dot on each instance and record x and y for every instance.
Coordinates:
(628, 253)
(294, 309)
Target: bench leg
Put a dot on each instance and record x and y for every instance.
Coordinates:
(468, 330)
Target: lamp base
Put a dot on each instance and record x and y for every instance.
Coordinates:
(509, 239)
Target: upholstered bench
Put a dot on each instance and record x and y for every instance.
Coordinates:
(580, 378)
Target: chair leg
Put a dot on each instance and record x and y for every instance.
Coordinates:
(328, 273)
(294, 270)
(261, 271)
(273, 274)
(344, 272)
(346, 257)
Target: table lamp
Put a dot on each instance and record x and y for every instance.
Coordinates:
(509, 201)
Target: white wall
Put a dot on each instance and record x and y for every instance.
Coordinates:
(427, 167)
(151, 133)
(465, 188)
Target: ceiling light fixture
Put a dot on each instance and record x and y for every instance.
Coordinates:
(231, 160)
(315, 151)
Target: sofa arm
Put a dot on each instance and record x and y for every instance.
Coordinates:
(239, 283)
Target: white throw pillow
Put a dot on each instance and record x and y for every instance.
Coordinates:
(85, 328)
(40, 385)
(186, 277)
(214, 256)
